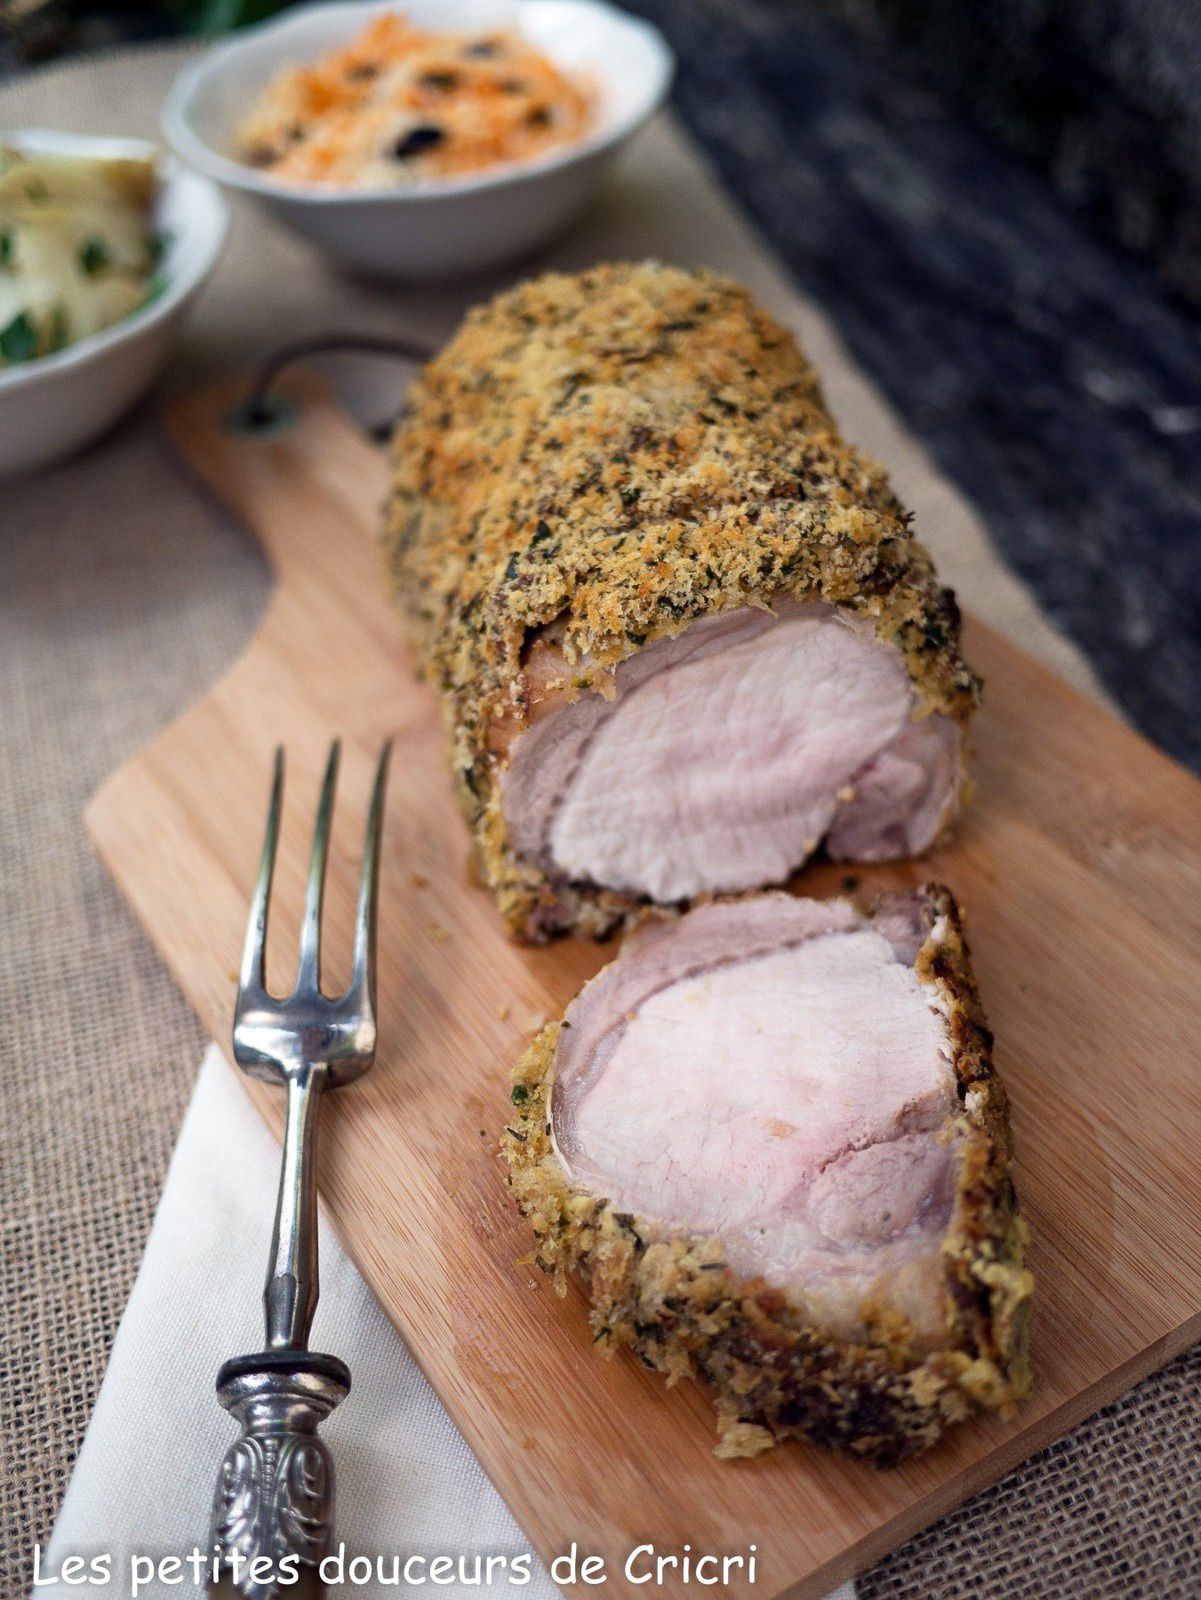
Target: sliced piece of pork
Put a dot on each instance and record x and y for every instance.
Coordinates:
(631, 471)
(727, 754)
(770, 1137)
(787, 1095)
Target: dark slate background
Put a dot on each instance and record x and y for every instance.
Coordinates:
(1104, 94)
(1052, 374)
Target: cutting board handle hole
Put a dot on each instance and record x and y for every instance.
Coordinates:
(262, 416)
(264, 413)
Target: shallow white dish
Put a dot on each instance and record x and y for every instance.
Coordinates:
(55, 404)
(454, 226)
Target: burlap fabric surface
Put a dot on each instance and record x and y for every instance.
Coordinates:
(122, 593)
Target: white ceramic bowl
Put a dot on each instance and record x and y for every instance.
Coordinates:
(449, 227)
(55, 404)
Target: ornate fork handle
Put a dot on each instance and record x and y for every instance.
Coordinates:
(275, 1493)
(273, 1511)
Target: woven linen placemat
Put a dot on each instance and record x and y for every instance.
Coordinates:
(123, 592)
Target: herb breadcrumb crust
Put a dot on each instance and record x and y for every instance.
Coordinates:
(672, 1300)
(598, 460)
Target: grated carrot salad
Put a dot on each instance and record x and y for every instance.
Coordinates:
(400, 104)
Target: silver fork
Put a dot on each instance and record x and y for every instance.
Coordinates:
(275, 1495)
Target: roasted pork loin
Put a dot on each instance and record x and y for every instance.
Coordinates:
(770, 1139)
(681, 630)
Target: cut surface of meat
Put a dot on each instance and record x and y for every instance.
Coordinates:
(770, 1140)
(789, 1102)
(728, 753)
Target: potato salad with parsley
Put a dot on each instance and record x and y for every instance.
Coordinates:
(78, 248)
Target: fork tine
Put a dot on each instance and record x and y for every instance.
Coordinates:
(254, 954)
(309, 975)
(362, 983)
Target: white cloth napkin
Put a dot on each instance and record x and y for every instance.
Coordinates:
(143, 1482)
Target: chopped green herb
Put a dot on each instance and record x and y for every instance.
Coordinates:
(94, 257)
(19, 338)
(156, 285)
(6, 249)
(520, 1094)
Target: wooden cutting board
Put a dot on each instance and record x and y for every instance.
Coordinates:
(1080, 869)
